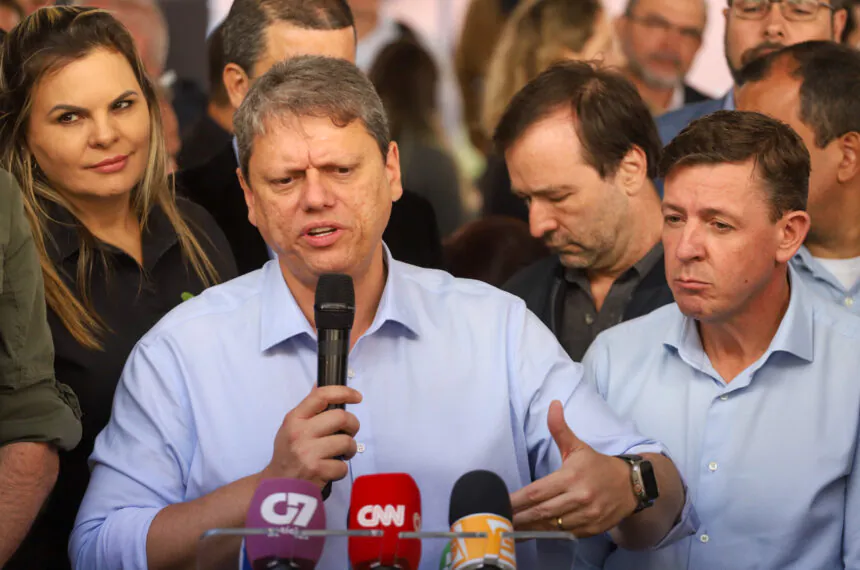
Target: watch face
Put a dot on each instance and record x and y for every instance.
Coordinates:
(649, 480)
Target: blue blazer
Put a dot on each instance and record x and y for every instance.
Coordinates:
(674, 122)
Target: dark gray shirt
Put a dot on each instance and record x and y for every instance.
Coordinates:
(581, 322)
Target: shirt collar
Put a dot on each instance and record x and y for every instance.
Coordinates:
(385, 33)
(677, 100)
(805, 262)
(641, 267)
(794, 335)
(729, 100)
(64, 231)
(278, 326)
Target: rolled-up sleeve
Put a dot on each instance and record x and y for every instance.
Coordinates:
(34, 407)
(140, 462)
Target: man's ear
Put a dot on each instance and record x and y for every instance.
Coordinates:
(849, 166)
(249, 197)
(793, 228)
(392, 171)
(840, 20)
(632, 171)
(237, 83)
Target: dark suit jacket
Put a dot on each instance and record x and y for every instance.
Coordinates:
(672, 123)
(692, 95)
(412, 234)
(542, 285)
(203, 141)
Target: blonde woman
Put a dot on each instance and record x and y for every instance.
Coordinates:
(80, 130)
(538, 34)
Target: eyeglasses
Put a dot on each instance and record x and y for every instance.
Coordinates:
(792, 10)
(658, 24)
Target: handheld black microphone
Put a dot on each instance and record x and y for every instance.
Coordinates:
(334, 313)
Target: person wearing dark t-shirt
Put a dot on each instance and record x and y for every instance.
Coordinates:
(82, 136)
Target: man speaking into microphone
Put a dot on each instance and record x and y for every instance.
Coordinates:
(444, 376)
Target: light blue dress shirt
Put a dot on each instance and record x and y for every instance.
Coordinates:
(456, 375)
(769, 457)
(823, 282)
(729, 100)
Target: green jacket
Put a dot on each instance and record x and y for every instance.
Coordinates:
(33, 405)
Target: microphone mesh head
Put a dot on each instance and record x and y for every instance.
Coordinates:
(290, 505)
(334, 302)
(479, 492)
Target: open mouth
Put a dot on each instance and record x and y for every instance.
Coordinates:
(320, 232)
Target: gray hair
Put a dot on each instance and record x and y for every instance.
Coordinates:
(310, 86)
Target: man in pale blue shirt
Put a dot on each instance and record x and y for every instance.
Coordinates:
(753, 28)
(751, 380)
(813, 88)
(445, 376)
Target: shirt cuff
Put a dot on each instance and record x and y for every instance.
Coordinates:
(686, 525)
(119, 541)
(45, 411)
(688, 522)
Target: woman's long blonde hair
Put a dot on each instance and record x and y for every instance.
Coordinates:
(535, 36)
(45, 41)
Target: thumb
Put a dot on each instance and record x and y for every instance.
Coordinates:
(563, 436)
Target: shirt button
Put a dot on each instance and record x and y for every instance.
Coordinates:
(849, 302)
(724, 397)
(704, 538)
(360, 448)
(350, 373)
(589, 319)
(712, 465)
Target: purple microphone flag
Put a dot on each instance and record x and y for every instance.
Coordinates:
(290, 505)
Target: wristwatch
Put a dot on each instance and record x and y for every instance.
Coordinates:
(643, 479)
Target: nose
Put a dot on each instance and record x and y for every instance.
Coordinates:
(104, 132)
(316, 195)
(690, 246)
(774, 22)
(672, 38)
(541, 220)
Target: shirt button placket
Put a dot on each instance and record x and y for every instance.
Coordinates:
(362, 463)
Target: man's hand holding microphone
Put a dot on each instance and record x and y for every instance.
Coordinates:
(314, 436)
(317, 437)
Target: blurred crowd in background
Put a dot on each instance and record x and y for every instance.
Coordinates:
(445, 70)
